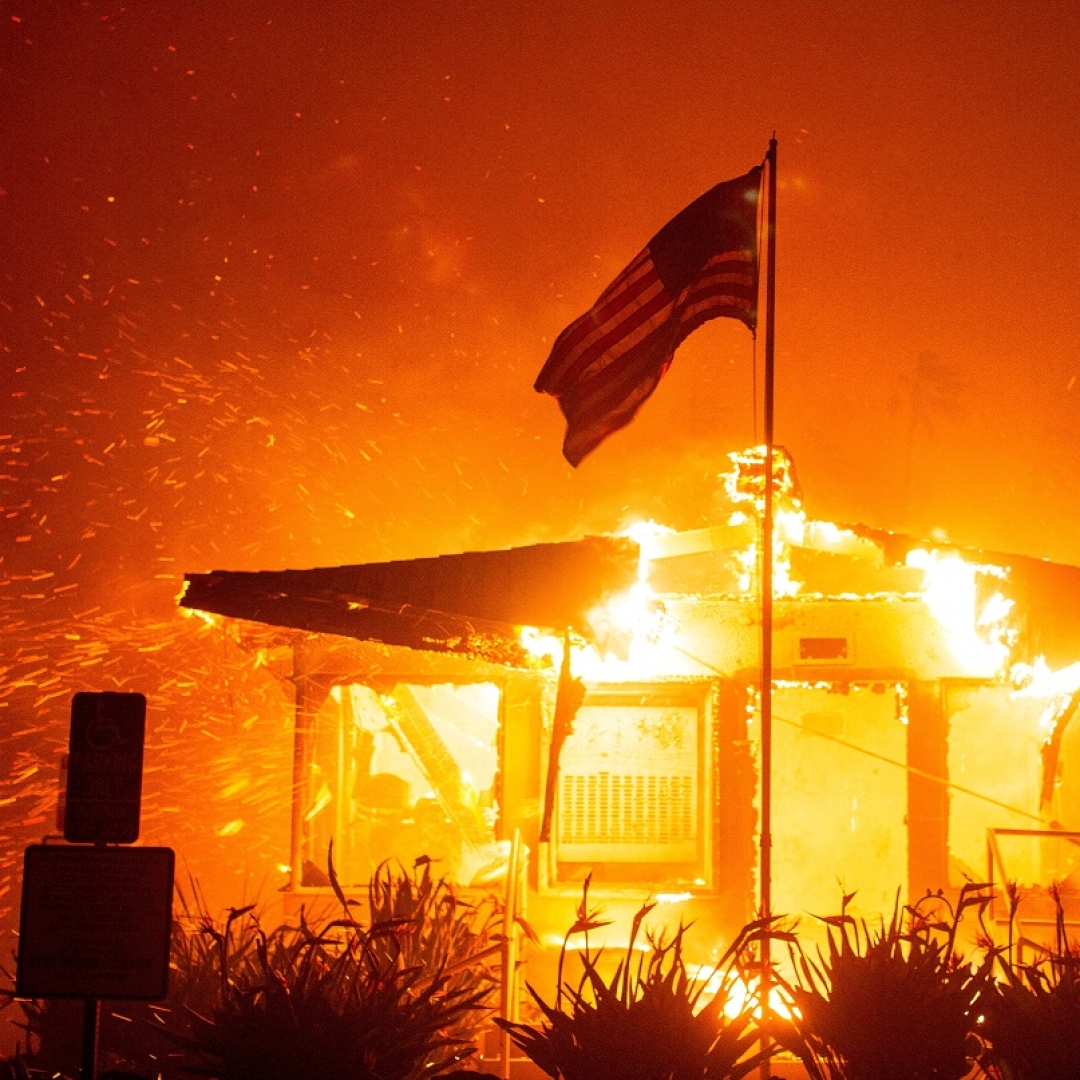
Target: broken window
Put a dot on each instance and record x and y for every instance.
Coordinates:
(406, 771)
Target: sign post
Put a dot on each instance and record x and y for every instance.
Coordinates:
(95, 921)
(104, 768)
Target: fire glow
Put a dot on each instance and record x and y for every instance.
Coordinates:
(630, 629)
(631, 634)
(669, 664)
(980, 639)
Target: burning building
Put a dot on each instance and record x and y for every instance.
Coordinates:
(921, 704)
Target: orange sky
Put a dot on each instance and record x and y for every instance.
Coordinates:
(277, 278)
(328, 247)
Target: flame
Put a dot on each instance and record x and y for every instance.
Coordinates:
(1038, 680)
(579, 943)
(632, 635)
(647, 535)
(980, 639)
(788, 522)
(322, 801)
(627, 627)
(783, 581)
(747, 560)
(745, 482)
(739, 993)
(745, 488)
(207, 617)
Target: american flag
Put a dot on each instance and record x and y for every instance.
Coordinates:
(703, 264)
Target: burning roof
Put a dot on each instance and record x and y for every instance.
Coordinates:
(1009, 608)
(471, 602)
(1046, 595)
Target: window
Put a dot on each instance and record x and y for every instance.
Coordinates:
(405, 771)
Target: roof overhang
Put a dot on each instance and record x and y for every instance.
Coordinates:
(471, 602)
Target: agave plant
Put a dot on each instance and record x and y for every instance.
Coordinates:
(16, 1068)
(406, 993)
(324, 1010)
(421, 922)
(891, 1000)
(396, 1000)
(647, 1021)
(1032, 1015)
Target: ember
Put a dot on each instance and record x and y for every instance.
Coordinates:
(275, 292)
(890, 672)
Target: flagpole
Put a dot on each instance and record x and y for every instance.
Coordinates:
(767, 592)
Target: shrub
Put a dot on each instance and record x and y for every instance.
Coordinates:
(647, 1021)
(403, 996)
(418, 922)
(889, 1001)
(1032, 1015)
(398, 1000)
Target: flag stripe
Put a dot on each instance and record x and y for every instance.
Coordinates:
(597, 323)
(638, 276)
(609, 325)
(645, 361)
(702, 265)
(611, 403)
(591, 360)
(726, 287)
(728, 278)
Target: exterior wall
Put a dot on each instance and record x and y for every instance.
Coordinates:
(884, 638)
(873, 719)
(839, 799)
(995, 767)
(927, 790)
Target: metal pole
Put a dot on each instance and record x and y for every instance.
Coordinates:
(508, 994)
(88, 1064)
(302, 738)
(767, 596)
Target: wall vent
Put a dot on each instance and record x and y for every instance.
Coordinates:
(824, 650)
